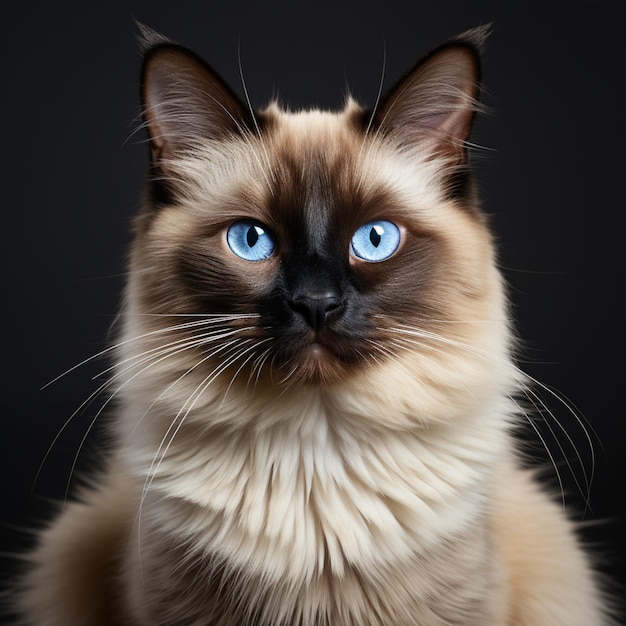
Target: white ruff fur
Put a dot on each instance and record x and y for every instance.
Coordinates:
(315, 489)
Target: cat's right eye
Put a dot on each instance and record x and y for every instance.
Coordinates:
(376, 241)
(250, 240)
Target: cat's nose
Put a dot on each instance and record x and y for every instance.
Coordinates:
(316, 307)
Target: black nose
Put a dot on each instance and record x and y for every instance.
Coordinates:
(316, 307)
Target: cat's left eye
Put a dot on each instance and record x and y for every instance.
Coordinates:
(250, 240)
(376, 241)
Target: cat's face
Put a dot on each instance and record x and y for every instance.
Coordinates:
(309, 247)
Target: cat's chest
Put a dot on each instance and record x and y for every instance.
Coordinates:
(454, 582)
(335, 524)
(306, 497)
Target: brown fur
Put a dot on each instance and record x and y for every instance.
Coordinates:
(272, 469)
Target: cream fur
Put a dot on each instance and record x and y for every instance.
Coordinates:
(243, 492)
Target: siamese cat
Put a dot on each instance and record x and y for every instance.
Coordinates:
(315, 381)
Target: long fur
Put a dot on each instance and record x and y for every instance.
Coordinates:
(265, 474)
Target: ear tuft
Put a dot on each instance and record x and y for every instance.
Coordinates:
(476, 36)
(148, 38)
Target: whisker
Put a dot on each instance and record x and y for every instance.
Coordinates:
(377, 101)
(213, 335)
(137, 522)
(387, 352)
(186, 409)
(423, 334)
(540, 405)
(151, 357)
(152, 361)
(289, 375)
(212, 316)
(257, 366)
(550, 455)
(254, 346)
(540, 409)
(169, 388)
(404, 342)
(118, 345)
(175, 427)
(64, 427)
(254, 119)
(588, 479)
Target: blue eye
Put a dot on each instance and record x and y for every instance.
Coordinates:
(250, 240)
(376, 241)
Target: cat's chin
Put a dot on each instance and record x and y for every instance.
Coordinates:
(318, 351)
(318, 364)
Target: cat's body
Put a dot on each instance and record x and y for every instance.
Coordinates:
(315, 382)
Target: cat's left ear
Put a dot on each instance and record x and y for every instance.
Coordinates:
(184, 101)
(432, 108)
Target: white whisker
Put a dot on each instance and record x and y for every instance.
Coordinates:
(177, 422)
(541, 407)
(386, 351)
(550, 456)
(256, 124)
(254, 346)
(376, 102)
(168, 389)
(186, 342)
(412, 335)
(147, 358)
(187, 407)
(160, 331)
(257, 366)
(152, 360)
(289, 375)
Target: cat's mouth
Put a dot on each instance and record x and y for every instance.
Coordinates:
(320, 352)
(325, 357)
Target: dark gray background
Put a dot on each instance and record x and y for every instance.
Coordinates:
(552, 179)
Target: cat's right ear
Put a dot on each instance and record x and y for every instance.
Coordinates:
(432, 108)
(184, 101)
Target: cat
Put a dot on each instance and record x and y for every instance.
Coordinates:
(315, 381)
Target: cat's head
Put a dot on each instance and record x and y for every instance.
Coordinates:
(315, 247)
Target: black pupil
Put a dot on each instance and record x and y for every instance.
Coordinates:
(375, 237)
(252, 236)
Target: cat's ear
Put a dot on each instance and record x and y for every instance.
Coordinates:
(184, 101)
(433, 106)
